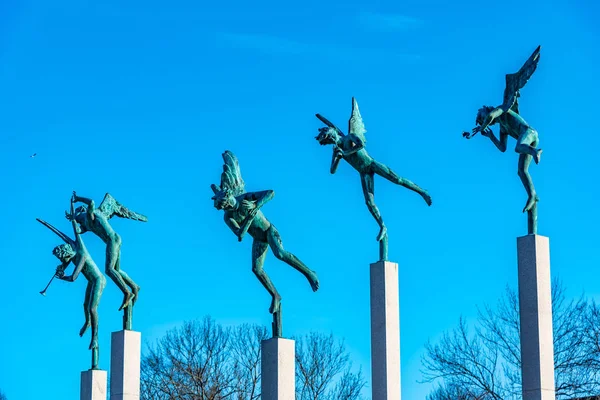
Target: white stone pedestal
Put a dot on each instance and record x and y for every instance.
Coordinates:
(125, 357)
(385, 331)
(535, 303)
(278, 369)
(93, 385)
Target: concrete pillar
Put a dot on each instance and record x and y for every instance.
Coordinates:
(385, 331)
(93, 385)
(535, 303)
(278, 369)
(125, 358)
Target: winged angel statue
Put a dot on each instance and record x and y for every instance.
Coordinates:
(512, 124)
(351, 148)
(96, 220)
(243, 215)
(75, 252)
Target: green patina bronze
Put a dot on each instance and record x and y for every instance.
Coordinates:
(512, 124)
(242, 213)
(96, 220)
(74, 251)
(351, 148)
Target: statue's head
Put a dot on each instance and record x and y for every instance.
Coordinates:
(64, 252)
(482, 113)
(327, 135)
(224, 199)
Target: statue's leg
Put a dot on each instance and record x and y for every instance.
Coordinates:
(113, 251)
(86, 308)
(290, 259)
(259, 253)
(524, 161)
(527, 144)
(387, 173)
(526, 147)
(97, 288)
(368, 186)
(135, 289)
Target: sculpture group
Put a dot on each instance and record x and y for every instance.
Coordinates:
(89, 218)
(243, 210)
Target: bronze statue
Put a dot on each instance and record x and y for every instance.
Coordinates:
(351, 148)
(512, 124)
(74, 251)
(243, 215)
(96, 220)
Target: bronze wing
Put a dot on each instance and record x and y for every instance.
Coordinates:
(329, 124)
(61, 235)
(356, 125)
(111, 207)
(231, 177)
(515, 82)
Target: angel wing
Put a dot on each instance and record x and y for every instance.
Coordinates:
(231, 178)
(515, 82)
(329, 124)
(111, 207)
(61, 235)
(356, 125)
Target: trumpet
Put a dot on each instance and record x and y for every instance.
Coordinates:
(59, 269)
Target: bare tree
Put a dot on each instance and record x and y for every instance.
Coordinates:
(245, 351)
(484, 362)
(454, 392)
(202, 360)
(591, 331)
(324, 370)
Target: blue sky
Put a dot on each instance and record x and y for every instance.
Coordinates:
(140, 100)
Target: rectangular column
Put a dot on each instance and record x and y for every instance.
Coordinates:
(278, 369)
(535, 304)
(93, 385)
(385, 331)
(125, 357)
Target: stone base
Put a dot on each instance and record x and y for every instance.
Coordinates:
(278, 369)
(535, 303)
(385, 331)
(125, 357)
(93, 385)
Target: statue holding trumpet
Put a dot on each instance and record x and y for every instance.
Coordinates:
(74, 251)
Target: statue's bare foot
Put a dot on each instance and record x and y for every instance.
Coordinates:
(126, 300)
(531, 202)
(427, 198)
(538, 156)
(314, 281)
(275, 304)
(94, 343)
(135, 290)
(84, 328)
(382, 233)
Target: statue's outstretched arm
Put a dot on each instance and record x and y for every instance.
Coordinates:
(88, 202)
(76, 230)
(91, 206)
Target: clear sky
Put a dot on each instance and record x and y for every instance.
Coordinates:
(140, 98)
